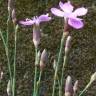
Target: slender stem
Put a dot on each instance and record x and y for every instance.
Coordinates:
(6, 44)
(58, 62)
(7, 55)
(59, 87)
(8, 26)
(54, 84)
(14, 73)
(35, 77)
(9, 66)
(87, 86)
(38, 85)
(62, 74)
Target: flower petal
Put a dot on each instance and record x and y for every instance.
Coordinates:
(27, 22)
(75, 23)
(80, 11)
(66, 7)
(45, 18)
(57, 12)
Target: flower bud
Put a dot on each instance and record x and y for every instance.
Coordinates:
(10, 5)
(67, 45)
(9, 88)
(75, 87)
(38, 58)
(14, 16)
(36, 35)
(44, 59)
(54, 64)
(68, 87)
(1, 75)
(93, 77)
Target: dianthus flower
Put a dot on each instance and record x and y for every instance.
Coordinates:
(36, 20)
(69, 14)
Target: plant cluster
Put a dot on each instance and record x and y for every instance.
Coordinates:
(72, 18)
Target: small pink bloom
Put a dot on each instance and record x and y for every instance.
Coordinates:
(36, 20)
(67, 11)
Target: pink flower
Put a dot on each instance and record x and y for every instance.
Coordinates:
(67, 11)
(36, 20)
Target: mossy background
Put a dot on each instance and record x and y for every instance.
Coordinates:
(82, 58)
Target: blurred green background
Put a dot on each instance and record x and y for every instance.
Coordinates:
(82, 58)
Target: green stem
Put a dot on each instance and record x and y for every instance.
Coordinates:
(59, 87)
(7, 55)
(14, 73)
(87, 86)
(9, 66)
(38, 85)
(58, 62)
(35, 77)
(8, 26)
(54, 84)
(62, 74)
(6, 44)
